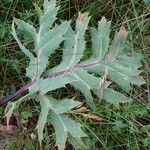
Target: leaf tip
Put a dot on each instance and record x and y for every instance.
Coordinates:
(82, 16)
(122, 31)
(104, 19)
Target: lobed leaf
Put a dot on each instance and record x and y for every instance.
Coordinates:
(63, 106)
(44, 102)
(60, 130)
(122, 69)
(119, 43)
(63, 126)
(88, 76)
(115, 97)
(48, 17)
(23, 49)
(77, 143)
(26, 27)
(58, 119)
(74, 45)
(100, 39)
(49, 84)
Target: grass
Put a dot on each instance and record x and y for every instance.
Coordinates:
(123, 128)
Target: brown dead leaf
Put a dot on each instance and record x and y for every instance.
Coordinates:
(93, 117)
(82, 110)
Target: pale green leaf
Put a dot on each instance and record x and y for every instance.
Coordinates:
(44, 102)
(63, 106)
(60, 130)
(45, 47)
(31, 70)
(77, 143)
(74, 45)
(85, 76)
(87, 93)
(49, 4)
(49, 84)
(51, 40)
(122, 72)
(115, 97)
(72, 127)
(122, 69)
(56, 107)
(23, 49)
(48, 17)
(64, 125)
(86, 83)
(100, 39)
(26, 27)
(118, 44)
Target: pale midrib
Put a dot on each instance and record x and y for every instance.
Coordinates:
(38, 54)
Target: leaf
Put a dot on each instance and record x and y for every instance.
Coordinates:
(72, 127)
(60, 130)
(100, 39)
(85, 83)
(56, 107)
(119, 43)
(49, 5)
(44, 102)
(45, 47)
(49, 84)
(122, 72)
(115, 97)
(26, 27)
(122, 69)
(77, 143)
(49, 16)
(64, 125)
(24, 50)
(45, 41)
(79, 42)
(74, 45)
(51, 40)
(63, 106)
(147, 1)
(31, 70)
